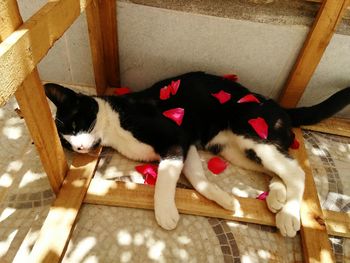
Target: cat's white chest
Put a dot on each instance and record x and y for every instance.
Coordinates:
(112, 134)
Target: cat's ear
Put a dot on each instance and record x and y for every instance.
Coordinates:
(59, 95)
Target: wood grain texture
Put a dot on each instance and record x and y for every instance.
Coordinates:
(96, 45)
(112, 193)
(56, 230)
(336, 126)
(109, 30)
(320, 34)
(39, 122)
(21, 51)
(314, 235)
(338, 223)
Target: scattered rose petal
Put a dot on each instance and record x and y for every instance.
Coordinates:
(176, 115)
(260, 127)
(231, 77)
(174, 86)
(216, 165)
(122, 91)
(262, 196)
(164, 93)
(295, 144)
(249, 98)
(222, 96)
(149, 171)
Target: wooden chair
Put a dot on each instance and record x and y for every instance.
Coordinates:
(22, 47)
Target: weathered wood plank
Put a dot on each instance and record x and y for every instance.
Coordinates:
(338, 223)
(109, 30)
(314, 235)
(23, 49)
(336, 126)
(56, 230)
(96, 45)
(39, 122)
(328, 17)
(112, 193)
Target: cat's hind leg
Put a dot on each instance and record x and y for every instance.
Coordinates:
(194, 172)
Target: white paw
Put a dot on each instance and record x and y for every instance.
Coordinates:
(288, 220)
(166, 214)
(276, 198)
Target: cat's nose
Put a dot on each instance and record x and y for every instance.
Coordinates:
(80, 148)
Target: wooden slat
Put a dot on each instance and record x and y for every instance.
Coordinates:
(56, 230)
(42, 129)
(23, 49)
(314, 235)
(96, 45)
(108, 22)
(336, 126)
(39, 122)
(113, 193)
(328, 17)
(338, 223)
(106, 192)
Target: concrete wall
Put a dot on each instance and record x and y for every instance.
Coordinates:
(155, 43)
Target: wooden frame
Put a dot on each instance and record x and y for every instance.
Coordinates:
(24, 45)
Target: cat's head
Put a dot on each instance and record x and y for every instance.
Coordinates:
(75, 118)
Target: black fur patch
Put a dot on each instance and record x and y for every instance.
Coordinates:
(251, 155)
(215, 148)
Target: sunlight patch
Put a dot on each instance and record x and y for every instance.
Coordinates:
(5, 244)
(124, 238)
(156, 250)
(12, 133)
(14, 166)
(6, 180)
(6, 213)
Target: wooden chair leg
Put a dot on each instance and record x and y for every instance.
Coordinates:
(102, 25)
(39, 122)
(328, 18)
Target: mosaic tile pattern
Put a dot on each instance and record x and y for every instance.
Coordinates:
(114, 234)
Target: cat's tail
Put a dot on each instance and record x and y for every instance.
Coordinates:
(323, 110)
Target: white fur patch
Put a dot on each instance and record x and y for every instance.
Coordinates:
(81, 142)
(166, 213)
(108, 129)
(194, 172)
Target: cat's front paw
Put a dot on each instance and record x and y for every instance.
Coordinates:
(288, 220)
(166, 214)
(276, 198)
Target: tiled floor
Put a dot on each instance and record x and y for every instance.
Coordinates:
(115, 234)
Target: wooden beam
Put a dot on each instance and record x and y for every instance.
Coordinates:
(42, 129)
(21, 51)
(109, 30)
(96, 46)
(39, 122)
(327, 19)
(338, 223)
(314, 235)
(106, 192)
(336, 126)
(56, 230)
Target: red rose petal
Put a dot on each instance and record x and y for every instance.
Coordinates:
(262, 196)
(295, 144)
(231, 77)
(260, 127)
(216, 165)
(249, 98)
(222, 96)
(164, 93)
(176, 115)
(149, 171)
(122, 91)
(174, 86)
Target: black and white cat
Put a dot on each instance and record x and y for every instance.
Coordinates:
(169, 121)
